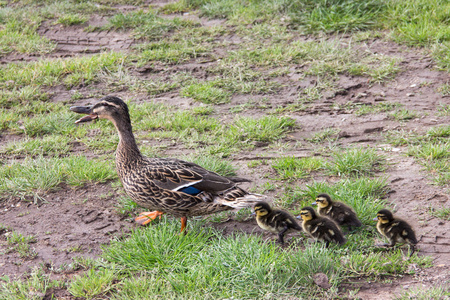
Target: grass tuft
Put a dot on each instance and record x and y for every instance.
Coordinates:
(289, 168)
(265, 129)
(356, 162)
(34, 176)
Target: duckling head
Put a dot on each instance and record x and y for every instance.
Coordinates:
(323, 200)
(262, 208)
(109, 107)
(308, 213)
(384, 216)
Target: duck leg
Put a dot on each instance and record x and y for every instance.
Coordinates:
(183, 224)
(281, 235)
(146, 217)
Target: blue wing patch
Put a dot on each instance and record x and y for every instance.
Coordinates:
(190, 190)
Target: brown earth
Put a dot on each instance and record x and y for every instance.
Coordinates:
(75, 222)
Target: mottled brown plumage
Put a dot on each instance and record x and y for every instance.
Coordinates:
(275, 220)
(321, 228)
(395, 229)
(341, 213)
(167, 185)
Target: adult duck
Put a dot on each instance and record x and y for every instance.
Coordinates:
(165, 185)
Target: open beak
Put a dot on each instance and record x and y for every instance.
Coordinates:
(84, 110)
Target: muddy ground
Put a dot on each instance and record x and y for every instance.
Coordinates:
(75, 222)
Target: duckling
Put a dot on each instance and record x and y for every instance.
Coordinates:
(166, 185)
(341, 213)
(395, 229)
(275, 220)
(321, 228)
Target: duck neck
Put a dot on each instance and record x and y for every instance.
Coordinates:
(127, 150)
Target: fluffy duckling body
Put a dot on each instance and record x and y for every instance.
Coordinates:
(341, 213)
(321, 228)
(275, 220)
(395, 229)
(166, 185)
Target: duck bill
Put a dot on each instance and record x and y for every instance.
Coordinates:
(375, 219)
(84, 110)
(314, 203)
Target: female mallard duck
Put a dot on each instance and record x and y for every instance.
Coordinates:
(395, 229)
(338, 211)
(275, 220)
(321, 228)
(165, 185)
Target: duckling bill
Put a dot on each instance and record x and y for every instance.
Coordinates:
(275, 220)
(341, 213)
(321, 228)
(395, 230)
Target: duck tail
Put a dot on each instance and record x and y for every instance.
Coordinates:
(248, 200)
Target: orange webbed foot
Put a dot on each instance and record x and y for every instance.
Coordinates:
(146, 217)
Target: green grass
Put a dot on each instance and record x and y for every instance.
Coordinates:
(214, 164)
(147, 24)
(16, 242)
(311, 16)
(430, 151)
(439, 132)
(151, 116)
(71, 19)
(34, 287)
(335, 16)
(158, 262)
(35, 176)
(265, 129)
(289, 168)
(206, 93)
(322, 58)
(170, 52)
(50, 72)
(444, 90)
(18, 32)
(403, 115)
(21, 96)
(356, 162)
(239, 77)
(402, 137)
(47, 145)
(364, 194)
(93, 283)
(441, 213)
(421, 22)
(440, 291)
(444, 110)
(328, 134)
(376, 108)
